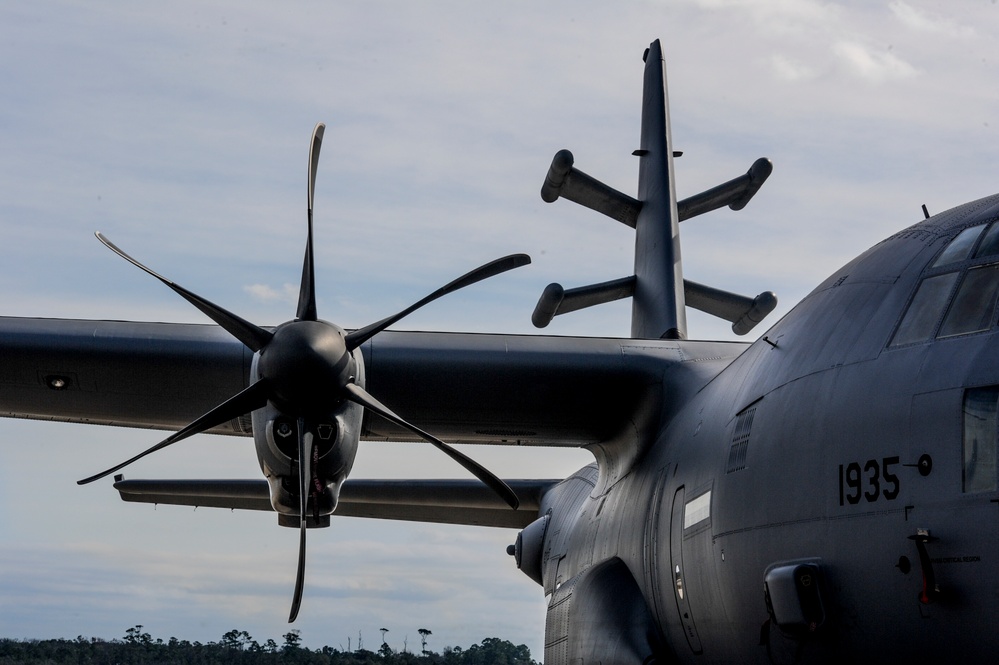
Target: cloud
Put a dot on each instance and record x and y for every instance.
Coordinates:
(872, 66)
(788, 69)
(269, 294)
(928, 22)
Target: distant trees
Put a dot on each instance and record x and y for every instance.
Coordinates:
(292, 641)
(237, 646)
(384, 650)
(237, 640)
(424, 634)
(135, 635)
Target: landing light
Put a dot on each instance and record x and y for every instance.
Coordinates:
(57, 382)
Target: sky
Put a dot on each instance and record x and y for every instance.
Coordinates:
(181, 131)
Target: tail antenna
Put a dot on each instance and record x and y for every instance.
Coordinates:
(658, 290)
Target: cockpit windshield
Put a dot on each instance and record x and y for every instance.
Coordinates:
(958, 292)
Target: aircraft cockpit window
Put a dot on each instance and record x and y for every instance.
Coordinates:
(959, 291)
(990, 243)
(980, 439)
(975, 303)
(924, 313)
(960, 247)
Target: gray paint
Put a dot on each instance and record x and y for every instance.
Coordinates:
(831, 392)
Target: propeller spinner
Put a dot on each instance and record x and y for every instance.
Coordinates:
(306, 367)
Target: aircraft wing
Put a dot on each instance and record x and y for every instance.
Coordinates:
(462, 387)
(151, 375)
(441, 501)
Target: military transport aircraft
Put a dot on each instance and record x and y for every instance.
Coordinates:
(825, 494)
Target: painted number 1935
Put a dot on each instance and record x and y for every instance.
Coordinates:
(871, 481)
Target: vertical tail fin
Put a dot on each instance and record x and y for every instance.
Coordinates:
(657, 305)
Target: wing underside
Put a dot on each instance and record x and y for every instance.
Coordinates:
(439, 501)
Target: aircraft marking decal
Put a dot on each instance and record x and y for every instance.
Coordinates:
(697, 510)
(856, 481)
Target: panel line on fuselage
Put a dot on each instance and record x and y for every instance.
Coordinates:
(810, 520)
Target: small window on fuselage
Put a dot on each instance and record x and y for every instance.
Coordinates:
(980, 440)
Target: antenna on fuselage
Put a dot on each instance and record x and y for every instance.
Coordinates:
(658, 290)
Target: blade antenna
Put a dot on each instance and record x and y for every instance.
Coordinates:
(307, 292)
(304, 474)
(360, 396)
(244, 402)
(491, 269)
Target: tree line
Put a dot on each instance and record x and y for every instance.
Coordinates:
(237, 647)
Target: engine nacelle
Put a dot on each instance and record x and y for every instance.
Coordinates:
(276, 439)
(275, 436)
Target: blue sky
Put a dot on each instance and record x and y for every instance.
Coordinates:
(181, 132)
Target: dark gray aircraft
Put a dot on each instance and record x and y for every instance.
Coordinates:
(821, 495)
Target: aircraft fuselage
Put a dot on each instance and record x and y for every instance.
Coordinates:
(845, 460)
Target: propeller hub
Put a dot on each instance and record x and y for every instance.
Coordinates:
(307, 364)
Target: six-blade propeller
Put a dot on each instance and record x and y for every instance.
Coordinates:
(305, 370)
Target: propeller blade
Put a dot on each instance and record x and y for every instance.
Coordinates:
(317, 143)
(491, 269)
(296, 601)
(304, 475)
(248, 400)
(307, 292)
(360, 396)
(251, 335)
